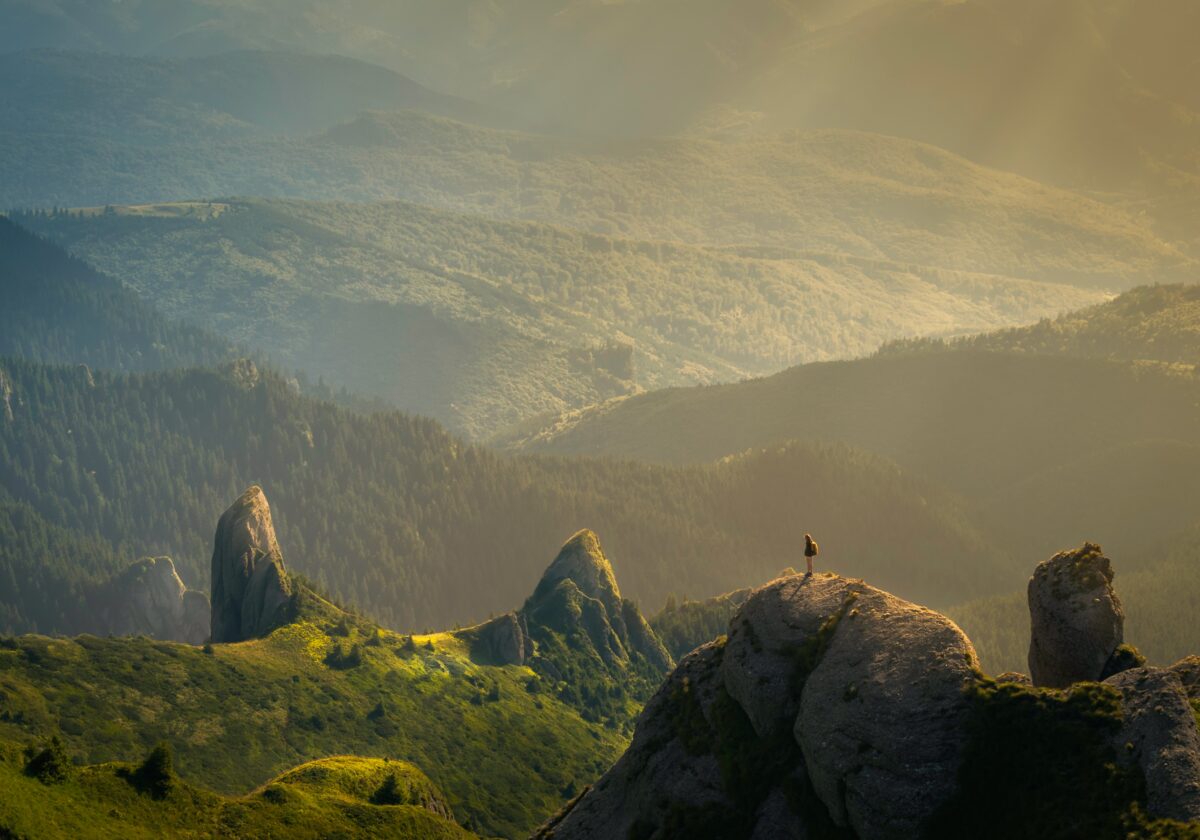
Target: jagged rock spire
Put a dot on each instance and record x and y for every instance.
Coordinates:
(251, 593)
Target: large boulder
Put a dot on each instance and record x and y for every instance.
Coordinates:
(1077, 622)
(883, 714)
(1159, 734)
(148, 598)
(827, 693)
(766, 636)
(251, 593)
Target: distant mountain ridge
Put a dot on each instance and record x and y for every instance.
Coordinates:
(482, 323)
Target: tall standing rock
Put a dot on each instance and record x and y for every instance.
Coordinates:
(1076, 618)
(251, 593)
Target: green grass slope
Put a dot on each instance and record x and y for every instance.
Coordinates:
(237, 715)
(482, 323)
(324, 798)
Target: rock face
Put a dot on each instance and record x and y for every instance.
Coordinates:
(149, 599)
(1159, 734)
(824, 684)
(503, 640)
(660, 771)
(1077, 622)
(251, 593)
(883, 715)
(6, 395)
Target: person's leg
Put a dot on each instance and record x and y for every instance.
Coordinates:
(809, 559)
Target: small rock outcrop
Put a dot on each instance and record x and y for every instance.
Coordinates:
(6, 392)
(1159, 735)
(149, 599)
(1077, 622)
(503, 640)
(251, 593)
(824, 684)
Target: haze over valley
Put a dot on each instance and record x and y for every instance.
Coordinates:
(599, 419)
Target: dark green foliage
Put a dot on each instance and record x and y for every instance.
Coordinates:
(684, 627)
(155, 776)
(1160, 322)
(392, 514)
(1040, 763)
(1124, 658)
(58, 309)
(389, 793)
(51, 764)
(343, 655)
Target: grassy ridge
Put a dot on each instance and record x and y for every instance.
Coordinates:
(236, 715)
(329, 797)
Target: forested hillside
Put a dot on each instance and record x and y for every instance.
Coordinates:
(1160, 322)
(1031, 441)
(392, 514)
(59, 309)
(482, 323)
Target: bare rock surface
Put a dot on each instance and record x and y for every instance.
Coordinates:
(503, 640)
(1077, 622)
(846, 691)
(660, 771)
(1160, 735)
(251, 594)
(149, 599)
(764, 639)
(882, 721)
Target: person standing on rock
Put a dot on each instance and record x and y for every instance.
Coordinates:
(811, 550)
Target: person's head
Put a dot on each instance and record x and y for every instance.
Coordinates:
(807, 538)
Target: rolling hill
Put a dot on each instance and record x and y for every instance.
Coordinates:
(482, 323)
(1031, 441)
(59, 309)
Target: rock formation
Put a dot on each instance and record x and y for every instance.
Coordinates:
(579, 592)
(148, 598)
(6, 395)
(824, 684)
(1159, 735)
(503, 640)
(1077, 622)
(251, 593)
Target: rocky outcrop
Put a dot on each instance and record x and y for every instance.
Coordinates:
(824, 684)
(6, 393)
(503, 640)
(1159, 735)
(149, 599)
(883, 714)
(578, 592)
(662, 772)
(251, 593)
(1188, 671)
(1077, 622)
(835, 709)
